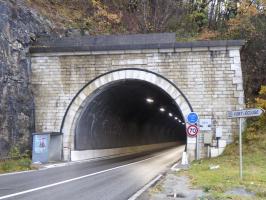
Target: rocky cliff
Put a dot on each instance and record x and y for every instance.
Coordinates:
(18, 27)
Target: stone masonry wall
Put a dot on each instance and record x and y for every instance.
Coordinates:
(211, 79)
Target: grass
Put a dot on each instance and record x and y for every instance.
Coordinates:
(217, 182)
(15, 165)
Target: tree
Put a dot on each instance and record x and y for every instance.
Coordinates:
(149, 15)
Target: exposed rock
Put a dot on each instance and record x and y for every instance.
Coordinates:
(18, 27)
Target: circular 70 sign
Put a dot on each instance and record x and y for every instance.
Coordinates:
(192, 131)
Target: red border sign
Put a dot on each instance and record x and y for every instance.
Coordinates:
(192, 130)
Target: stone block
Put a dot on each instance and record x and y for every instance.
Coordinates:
(222, 143)
(234, 53)
(237, 80)
(216, 151)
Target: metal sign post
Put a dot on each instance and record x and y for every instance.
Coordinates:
(240, 149)
(192, 130)
(243, 114)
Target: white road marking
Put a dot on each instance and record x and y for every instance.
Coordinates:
(138, 193)
(77, 178)
(74, 179)
(175, 168)
(22, 172)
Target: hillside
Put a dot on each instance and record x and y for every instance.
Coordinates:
(189, 21)
(22, 21)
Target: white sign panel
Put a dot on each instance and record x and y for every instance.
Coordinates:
(245, 113)
(205, 124)
(219, 132)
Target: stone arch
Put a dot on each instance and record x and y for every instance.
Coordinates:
(79, 100)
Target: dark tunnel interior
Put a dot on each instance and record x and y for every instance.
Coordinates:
(128, 113)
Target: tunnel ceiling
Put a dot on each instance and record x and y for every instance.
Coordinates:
(122, 114)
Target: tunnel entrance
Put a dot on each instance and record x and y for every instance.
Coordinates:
(128, 113)
(123, 111)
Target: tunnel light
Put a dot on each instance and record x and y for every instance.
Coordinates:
(170, 114)
(179, 121)
(176, 118)
(183, 123)
(149, 100)
(162, 109)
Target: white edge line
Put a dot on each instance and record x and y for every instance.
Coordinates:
(174, 166)
(138, 193)
(73, 179)
(21, 172)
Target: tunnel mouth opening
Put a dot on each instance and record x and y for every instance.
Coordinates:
(128, 113)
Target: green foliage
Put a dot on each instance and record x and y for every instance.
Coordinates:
(216, 182)
(16, 161)
(256, 127)
(15, 165)
(24, 162)
(199, 15)
(6, 166)
(14, 152)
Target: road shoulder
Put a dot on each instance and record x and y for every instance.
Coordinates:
(172, 186)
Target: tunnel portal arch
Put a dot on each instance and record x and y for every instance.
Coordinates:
(78, 103)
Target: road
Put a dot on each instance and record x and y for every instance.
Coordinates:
(116, 178)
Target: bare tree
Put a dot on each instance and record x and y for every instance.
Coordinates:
(153, 15)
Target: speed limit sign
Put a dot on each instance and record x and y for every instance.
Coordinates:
(192, 131)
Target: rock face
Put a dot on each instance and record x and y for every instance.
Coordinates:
(18, 27)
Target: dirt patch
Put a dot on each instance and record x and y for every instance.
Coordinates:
(172, 187)
(240, 192)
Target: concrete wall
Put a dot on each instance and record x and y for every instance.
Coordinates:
(116, 152)
(210, 77)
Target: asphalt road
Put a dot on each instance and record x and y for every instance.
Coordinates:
(117, 178)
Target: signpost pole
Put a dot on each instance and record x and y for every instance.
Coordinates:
(197, 147)
(254, 112)
(240, 149)
(192, 130)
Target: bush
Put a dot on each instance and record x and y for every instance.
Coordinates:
(14, 152)
(256, 127)
(24, 162)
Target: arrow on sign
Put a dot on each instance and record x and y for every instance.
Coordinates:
(245, 113)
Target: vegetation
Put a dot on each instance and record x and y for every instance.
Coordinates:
(190, 20)
(217, 182)
(15, 161)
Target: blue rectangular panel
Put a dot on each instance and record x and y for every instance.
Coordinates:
(40, 149)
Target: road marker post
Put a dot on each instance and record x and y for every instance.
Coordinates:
(254, 112)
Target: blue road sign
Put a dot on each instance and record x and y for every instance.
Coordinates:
(192, 118)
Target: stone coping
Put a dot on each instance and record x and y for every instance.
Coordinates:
(47, 133)
(123, 42)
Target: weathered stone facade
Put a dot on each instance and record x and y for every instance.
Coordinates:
(209, 76)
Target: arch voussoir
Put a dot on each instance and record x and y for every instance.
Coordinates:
(78, 102)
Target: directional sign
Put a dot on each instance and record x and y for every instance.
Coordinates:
(192, 118)
(245, 113)
(205, 124)
(192, 131)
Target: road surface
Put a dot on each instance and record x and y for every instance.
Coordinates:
(110, 179)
